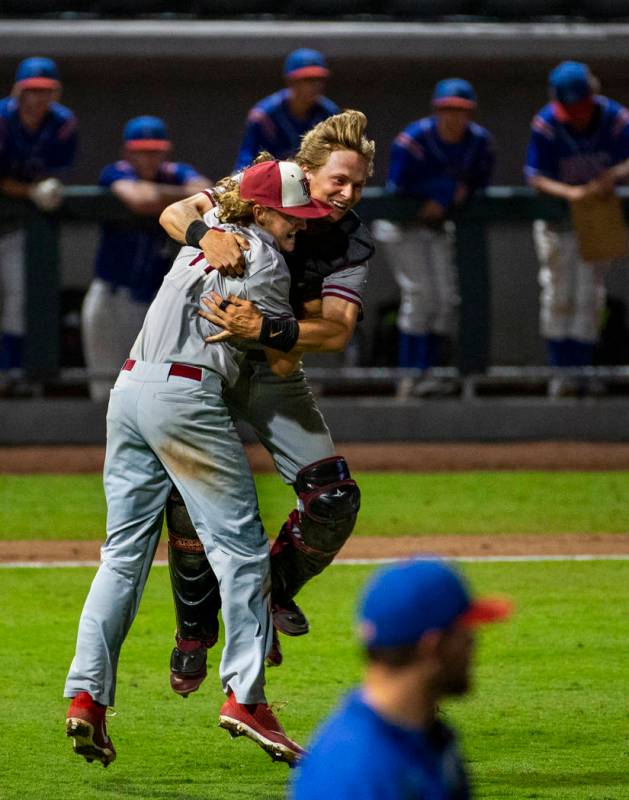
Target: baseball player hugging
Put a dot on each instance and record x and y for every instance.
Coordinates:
(167, 423)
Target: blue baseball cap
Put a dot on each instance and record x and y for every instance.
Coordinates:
(570, 82)
(305, 63)
(405, 601)
(454, 93)
(146, 133)
(37, 73)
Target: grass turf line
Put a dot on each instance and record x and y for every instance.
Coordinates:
(547, 718)
(394, 504)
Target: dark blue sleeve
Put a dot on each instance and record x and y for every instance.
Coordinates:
(483, 167)
(184, 173)
(4, 160)
(115, 172)
(539, 156)
(258, 136)
(403, 169)
(62, 153)
(621, 138)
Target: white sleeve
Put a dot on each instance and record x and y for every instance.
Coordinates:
(348, 284)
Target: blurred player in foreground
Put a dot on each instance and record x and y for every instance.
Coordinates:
(578, 148)
(132, 259)
(167, 423)
(37, 147)
(386, 741)
(328, 276)
(277, 122)
(441, 160)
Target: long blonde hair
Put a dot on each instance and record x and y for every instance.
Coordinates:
(231, 207)
(344, 131)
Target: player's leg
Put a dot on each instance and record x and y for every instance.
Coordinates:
(197, 442)
(12, 300)
(136, 488)
(196, 596)
(441, 306)
(589, 305)
(189, 427)
(110, 321)
(557, 255)
(288, 422)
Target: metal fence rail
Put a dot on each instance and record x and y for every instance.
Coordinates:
(498, 204)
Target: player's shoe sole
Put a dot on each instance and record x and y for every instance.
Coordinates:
(82, 734)
(277, 751)
(289, 619)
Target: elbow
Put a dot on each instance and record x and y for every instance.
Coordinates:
(339, 342)
(165, 218)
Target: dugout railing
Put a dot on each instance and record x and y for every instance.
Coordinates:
(499, 204)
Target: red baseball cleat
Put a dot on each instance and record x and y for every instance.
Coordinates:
(259, 723)
(85, 723)
(188, 665)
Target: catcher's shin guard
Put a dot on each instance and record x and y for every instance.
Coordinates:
(328, 504)
(194, 584)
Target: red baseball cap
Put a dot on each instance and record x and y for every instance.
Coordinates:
(281, 185)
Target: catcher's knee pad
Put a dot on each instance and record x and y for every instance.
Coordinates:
(194, 584)
(328, 504)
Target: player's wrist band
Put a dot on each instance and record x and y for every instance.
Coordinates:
(195, 232)
(280, 334)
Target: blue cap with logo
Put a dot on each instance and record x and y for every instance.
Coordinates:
(454, 93)
(37, 73)
(405, 601)
(570, 82)
(305, 63)
(146, 133)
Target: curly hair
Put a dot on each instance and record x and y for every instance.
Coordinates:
(344, 131)
(231, 207)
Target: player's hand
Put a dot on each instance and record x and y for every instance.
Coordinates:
(237, 317)
(602, 186)
(47, 195)
(432, 212)
(224, 251)
(576, 193)
(461, 194)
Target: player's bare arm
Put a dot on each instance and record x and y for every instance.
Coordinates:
(283, 364)
(148, 197)
(327, 328)
(564, 191)
(223, 250)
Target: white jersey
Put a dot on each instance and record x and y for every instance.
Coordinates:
(173, 332)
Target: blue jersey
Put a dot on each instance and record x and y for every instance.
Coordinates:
(559, 152)
(358, 755)
(423, 165)
(271, 126)
(32, 155)
(138, 257)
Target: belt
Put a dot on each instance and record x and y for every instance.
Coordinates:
(181, 370)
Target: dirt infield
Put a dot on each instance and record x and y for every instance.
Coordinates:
(369, 456)
(371, 547)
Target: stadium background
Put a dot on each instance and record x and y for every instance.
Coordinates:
(203, 76)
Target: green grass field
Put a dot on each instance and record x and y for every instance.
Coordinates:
(548, 717)
(394, 504)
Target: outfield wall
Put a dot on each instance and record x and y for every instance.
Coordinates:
(354, 419)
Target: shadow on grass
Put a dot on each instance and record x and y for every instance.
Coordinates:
(178, 789)
(556, 780)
